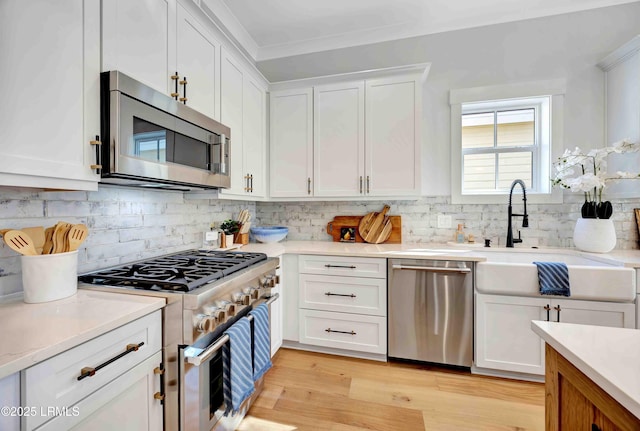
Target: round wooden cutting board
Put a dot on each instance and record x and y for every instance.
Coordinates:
(375, 227)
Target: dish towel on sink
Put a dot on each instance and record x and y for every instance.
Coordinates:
(237, 384)
(261, 341)
(553, 278)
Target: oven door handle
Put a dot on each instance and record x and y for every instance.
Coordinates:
(198, 357)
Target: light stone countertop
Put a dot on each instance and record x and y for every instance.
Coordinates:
(628, 258)
(32, 333)
(608, 356)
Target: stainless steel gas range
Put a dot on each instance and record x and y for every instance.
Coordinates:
(206, 292)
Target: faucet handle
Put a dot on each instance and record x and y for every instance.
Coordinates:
(518, 239)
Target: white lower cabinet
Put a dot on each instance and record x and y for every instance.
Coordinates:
(10, 397)
(341, 304)
(275, 314)
(344, 331)
(100, 383)
(504, 340)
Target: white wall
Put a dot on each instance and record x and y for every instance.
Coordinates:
(565, 46)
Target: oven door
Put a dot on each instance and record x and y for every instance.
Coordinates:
(202, 401)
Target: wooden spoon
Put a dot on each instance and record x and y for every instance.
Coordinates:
(60, 237)
(77, 234)
(20, 242)
(37, 235)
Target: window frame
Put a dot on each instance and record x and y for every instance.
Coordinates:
(511, 95)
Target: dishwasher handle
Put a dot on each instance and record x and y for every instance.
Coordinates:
(433, 269)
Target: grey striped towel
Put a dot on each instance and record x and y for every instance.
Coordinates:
(237, 384)
(261, 341)
(553, 278)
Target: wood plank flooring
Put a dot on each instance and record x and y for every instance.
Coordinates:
(316, 392)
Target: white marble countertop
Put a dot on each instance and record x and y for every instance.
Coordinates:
(628, 258)
(32, 333)
(608, 356)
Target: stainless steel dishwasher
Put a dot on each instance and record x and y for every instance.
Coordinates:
(431, 311)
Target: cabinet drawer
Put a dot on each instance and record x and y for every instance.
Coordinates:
(356, 332)
(344, 266)
(346, 294)
(54, 382)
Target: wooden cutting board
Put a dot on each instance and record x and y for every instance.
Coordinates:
(375, 227)
(336, 226)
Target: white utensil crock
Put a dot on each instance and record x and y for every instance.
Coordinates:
(49, 277)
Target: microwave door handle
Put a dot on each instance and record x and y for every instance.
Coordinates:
(198, 359)
(223, 145)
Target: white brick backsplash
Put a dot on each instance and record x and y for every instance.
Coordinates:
(132, 224)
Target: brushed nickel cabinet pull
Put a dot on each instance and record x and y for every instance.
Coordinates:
(368, 184)
(360, 184)
(90, 371)
(309, 186)
(329, 330)
(349, 295)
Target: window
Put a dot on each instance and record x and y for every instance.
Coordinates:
(498, 140)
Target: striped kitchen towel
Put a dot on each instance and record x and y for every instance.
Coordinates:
(553, 278)
(261, 341)
(237, 384)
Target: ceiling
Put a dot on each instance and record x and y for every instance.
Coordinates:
(270, 29)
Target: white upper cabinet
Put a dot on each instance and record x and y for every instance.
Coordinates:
(622, 70)
(198, 62)
(160, 44)
(338, 150)
(291, 143)
(244, 111)
(50, 87)
(392, 127)
(364, 138)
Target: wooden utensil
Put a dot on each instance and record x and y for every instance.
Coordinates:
(19, 241)
(77, 234)
(374, 226)
(47, 248)
(37, 236)
(245, 227)
(60, 237)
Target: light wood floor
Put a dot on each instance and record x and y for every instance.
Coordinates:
(310, 391)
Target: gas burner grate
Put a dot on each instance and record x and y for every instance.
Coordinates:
(179, 272)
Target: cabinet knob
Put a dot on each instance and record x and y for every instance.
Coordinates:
(158, 396)
(158, 370)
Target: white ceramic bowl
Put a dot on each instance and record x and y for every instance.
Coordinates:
(269, 233)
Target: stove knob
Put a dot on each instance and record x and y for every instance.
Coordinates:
(219, 314)
(205, 323)
(228, 307)
(242, 298)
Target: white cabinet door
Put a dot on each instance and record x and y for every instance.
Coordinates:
(338, 147)
(615, 315)
(622, 69)
(50, 93)
(231, 116)
(291, 143)
(138, 38)
(254, 136)
(10, 397)
(504, 339)
(125, 404)
(244, 111)
(290, 289)
(392, 149)
(198, 62)
(276, 315)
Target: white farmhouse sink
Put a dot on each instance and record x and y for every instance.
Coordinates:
(513, 273)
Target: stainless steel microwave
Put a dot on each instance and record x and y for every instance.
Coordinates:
(152, 140)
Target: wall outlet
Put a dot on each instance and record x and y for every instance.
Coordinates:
(444, 221)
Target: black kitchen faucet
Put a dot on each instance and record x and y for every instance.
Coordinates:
(525, 216)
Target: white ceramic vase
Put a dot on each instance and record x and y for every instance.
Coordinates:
(594, 235)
